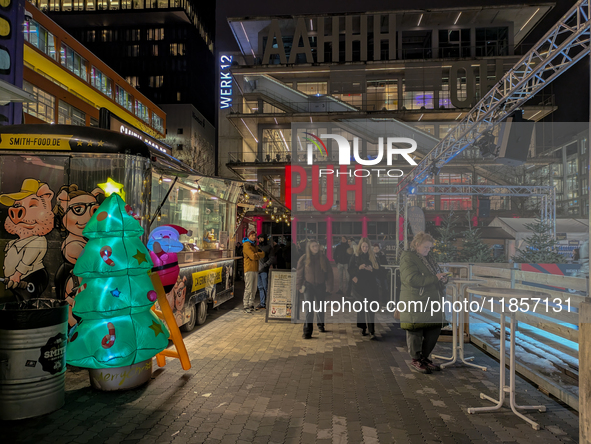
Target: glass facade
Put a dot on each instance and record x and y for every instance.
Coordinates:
(44, 107)
(74, 63)
(69, 115)
(101, 82)
(40, 38)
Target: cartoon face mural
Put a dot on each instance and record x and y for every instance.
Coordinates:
(30, 219)
(180, 293)
(163, 245)
(73, 210)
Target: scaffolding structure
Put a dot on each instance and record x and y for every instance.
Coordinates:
(560, 48)
(567, 42)
(547, 195)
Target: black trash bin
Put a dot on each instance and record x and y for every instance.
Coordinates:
(33, 338)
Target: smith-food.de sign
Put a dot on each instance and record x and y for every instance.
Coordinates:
(225, 82)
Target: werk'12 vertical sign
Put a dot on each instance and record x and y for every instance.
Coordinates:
(225, 82)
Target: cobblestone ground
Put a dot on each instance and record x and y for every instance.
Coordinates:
(257, 382)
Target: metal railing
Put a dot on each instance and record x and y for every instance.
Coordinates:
(328, 104)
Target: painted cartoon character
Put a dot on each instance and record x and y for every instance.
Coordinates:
(30, 218)
(164, 245)
(73, 210)
(229, 274)
(180, 293)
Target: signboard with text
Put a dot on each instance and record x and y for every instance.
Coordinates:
(279, 301)
(110, 121)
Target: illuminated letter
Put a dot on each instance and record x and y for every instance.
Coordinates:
(289, 191)
(357, 187)
(316, 190)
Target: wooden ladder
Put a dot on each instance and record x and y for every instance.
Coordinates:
(165, 313)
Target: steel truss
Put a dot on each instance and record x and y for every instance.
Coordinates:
(560, 48)
(547, 194)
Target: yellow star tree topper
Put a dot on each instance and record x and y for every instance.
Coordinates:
(110, 187)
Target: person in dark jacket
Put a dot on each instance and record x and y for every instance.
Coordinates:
(287, 255)
(422, 280)
(363, 269)
(314, 278)
(264, 265)
(382, 275)
(278, 249)
(341, 257)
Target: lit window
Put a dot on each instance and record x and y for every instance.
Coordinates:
(101, 82)
(142, 111)
(40, 38)
(68, 115)
(44, 106)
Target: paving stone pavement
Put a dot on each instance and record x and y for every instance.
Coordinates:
(257, 382)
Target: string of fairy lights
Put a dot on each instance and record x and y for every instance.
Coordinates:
(270, 206)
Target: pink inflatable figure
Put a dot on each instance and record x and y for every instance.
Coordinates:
(164, 244)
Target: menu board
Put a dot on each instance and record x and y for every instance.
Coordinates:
(279, 295)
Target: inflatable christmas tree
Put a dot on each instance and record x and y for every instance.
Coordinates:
(117, 327)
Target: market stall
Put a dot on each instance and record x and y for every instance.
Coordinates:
(54, 177)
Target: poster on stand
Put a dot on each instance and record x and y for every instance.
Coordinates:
(279, 298)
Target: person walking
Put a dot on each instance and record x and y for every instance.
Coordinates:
(314, 278)
(364, 269)
(341, 257)
(422, 280)
(264, 265)
(351, 253)
(252, 255)
(382, 274)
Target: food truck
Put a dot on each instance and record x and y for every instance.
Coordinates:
(52, 180)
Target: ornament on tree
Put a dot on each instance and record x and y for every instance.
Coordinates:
(117, 327)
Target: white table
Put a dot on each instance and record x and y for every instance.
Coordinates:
(458, 294)
(504, 295)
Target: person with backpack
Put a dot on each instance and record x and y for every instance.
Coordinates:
(264, 265)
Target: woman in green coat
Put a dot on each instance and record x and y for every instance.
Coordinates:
(422, 282)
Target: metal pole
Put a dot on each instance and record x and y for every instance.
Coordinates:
(585, 340)
(405, 222)
(397, 235)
